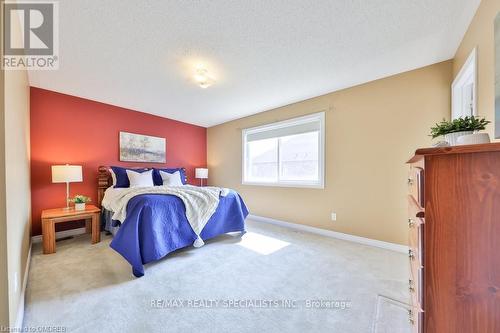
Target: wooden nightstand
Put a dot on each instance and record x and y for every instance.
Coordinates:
(50, 217)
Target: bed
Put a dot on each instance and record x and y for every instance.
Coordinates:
(156, 223)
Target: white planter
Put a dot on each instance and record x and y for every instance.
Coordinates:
(473, 139)
(451, 138)
(79, 206)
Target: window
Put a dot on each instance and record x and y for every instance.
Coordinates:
(463, 89)
(287, 153)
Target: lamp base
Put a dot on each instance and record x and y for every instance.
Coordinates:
(67, 208)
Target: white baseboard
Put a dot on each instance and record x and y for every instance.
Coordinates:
(61, 234)
(333, 234)
(20, 307)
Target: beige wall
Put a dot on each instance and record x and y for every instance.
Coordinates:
(481, 35)
(15, 195)
(18, 193)
(4, 281)
(371, 130)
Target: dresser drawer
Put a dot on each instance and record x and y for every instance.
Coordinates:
(416, 184)
(416, 318)
(415, 287)
(414, 209)
(415, 263)
(416, 238)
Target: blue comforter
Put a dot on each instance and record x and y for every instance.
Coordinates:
(156, 225)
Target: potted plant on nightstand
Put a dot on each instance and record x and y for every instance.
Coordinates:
(80, 201)
(452, 130)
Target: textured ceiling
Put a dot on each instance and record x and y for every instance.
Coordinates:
(263, 53)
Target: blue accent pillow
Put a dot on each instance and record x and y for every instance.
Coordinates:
(158, 181)
(121, 175)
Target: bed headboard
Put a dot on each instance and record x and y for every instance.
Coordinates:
(104, 181)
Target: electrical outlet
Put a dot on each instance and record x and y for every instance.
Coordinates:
(334, 216)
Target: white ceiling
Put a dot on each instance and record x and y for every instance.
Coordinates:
(263, 53)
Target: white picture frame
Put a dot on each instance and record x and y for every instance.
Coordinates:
(142, 148)
(497, 76)
(464, 89)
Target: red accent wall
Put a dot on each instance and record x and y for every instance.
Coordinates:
(73, 130)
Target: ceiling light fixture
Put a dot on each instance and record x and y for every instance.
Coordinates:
(203, 79)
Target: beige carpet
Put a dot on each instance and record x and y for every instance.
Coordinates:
(272, 280)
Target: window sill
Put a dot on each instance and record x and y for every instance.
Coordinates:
(296, 185)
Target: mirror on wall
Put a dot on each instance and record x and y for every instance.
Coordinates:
(497, 76)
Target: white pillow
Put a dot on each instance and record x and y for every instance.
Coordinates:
(171, 179)
(140, 179)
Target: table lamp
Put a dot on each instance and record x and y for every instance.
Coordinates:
(201, 173)
(67, 174)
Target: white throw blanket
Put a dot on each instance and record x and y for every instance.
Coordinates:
(200, 203)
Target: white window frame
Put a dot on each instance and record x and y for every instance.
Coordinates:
(319, 116)
(467, 74)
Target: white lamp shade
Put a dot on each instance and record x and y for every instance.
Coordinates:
(66, 173)
(201, 173)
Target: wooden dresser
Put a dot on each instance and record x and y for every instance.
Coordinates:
(454, 239)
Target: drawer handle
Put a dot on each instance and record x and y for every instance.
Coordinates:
(410, 181)
(411, 223)
(411, 286)
(410, 317)
(411, 255)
